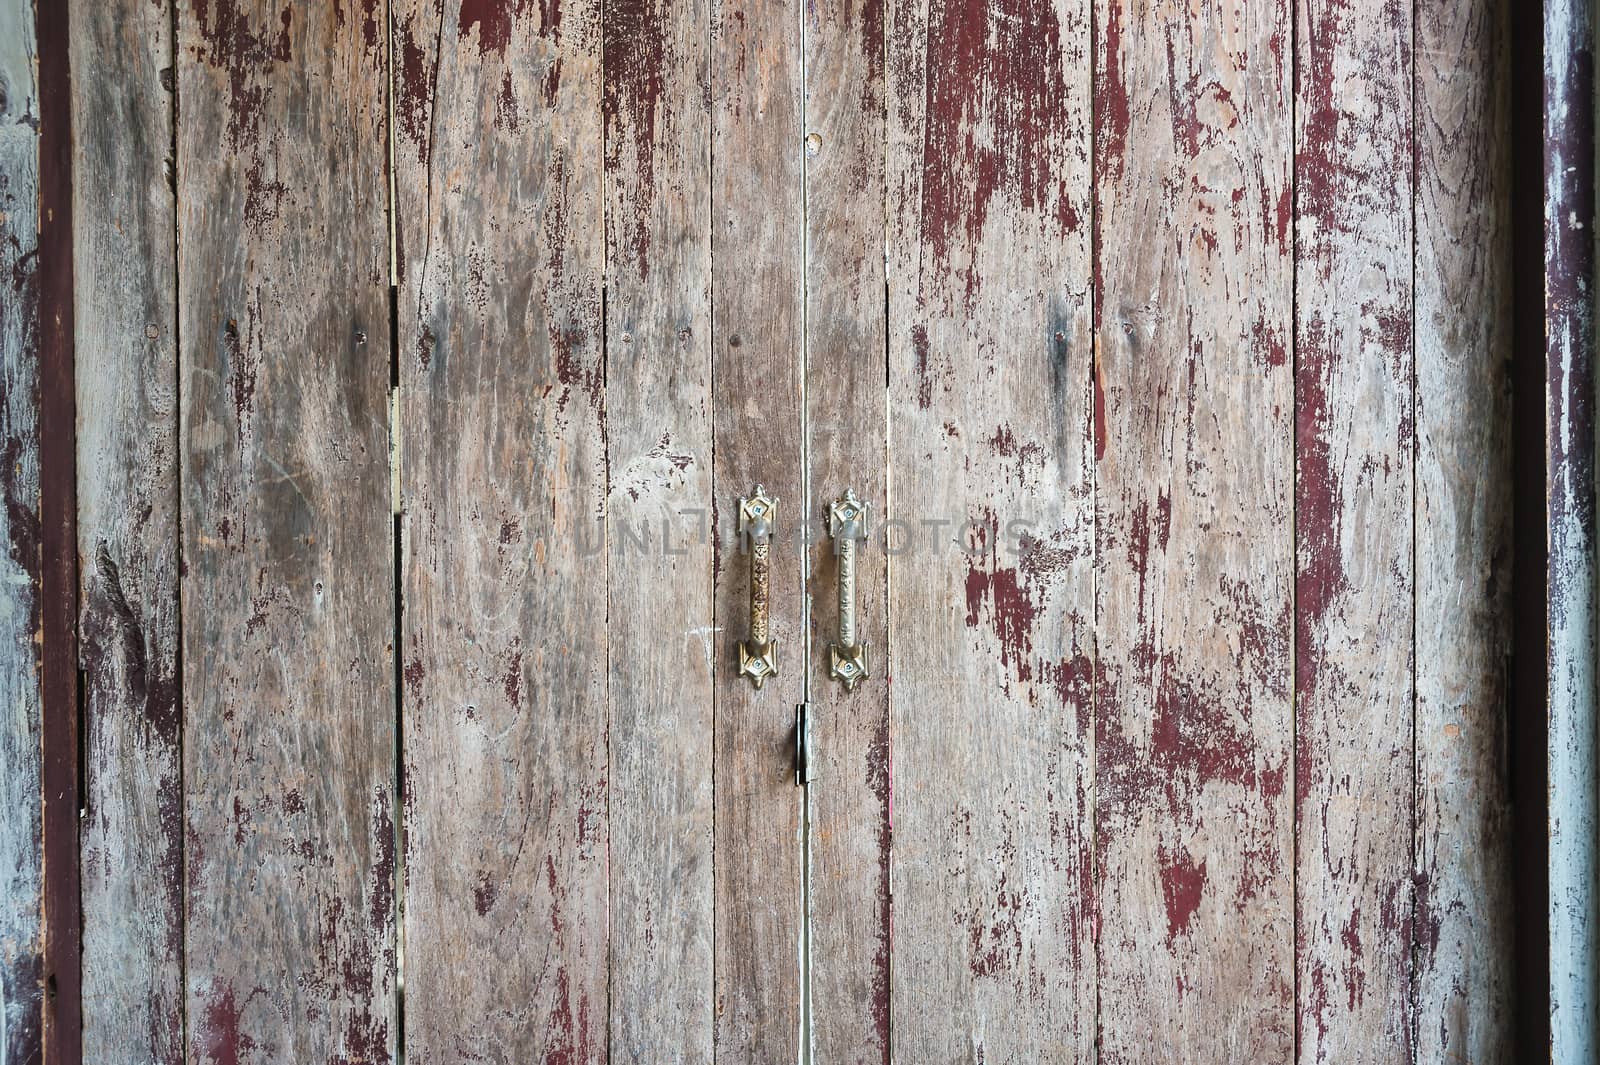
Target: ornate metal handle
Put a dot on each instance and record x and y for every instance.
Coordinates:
(758, 516)
(847, 523)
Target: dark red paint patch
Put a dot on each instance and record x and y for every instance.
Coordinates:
(634, 42)
(1183, 882)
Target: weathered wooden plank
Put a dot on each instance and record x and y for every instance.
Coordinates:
(499, 226)
(21, 884)
(846, 442)
(665, 644)
(1463, 320)
(1572, 743)
(126, 317)
(1353, 522)
(1195, 532)
(288, 690)
(758, 391)
(991, 613)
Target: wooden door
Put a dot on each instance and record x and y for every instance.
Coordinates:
(424, 351)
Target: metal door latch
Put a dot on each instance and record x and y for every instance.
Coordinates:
(847, 523)
(802, 744)
(758, 517)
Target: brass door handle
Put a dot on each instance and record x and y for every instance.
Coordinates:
(758, 517)
(847, 523)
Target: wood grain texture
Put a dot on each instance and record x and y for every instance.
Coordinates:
(664, 639)
(126, 315)
(758, 393)
(1572, 692)
(1354, 455)
(1195, 532)
(991, 614)
(287, 589)
(21, 884)
(1463, 318)
(846, 442)
(504, 631)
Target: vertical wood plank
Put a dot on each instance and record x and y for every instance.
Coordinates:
(991, 612)
(1194, 538)
(665, 647)
(21, 884)
(126, 316)
(1573, 740)
(499, 227)
(1354, 456)
(288, 666)
(756, 293)
(1463, 320)
(846, 442)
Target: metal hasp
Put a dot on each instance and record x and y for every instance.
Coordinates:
(847, 523)
(758, 517)
(802, 745)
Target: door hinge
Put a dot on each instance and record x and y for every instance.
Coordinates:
(803, 760)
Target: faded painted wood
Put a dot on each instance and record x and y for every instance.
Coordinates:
(21, 883)
(1353, 522)
(1194, 549)
(666, 646)
(1464, 982)
(126, 317)
(1572, 743)
(992, 612)
(758, 395)
(499, 226)
(288, 633)
(846, 447)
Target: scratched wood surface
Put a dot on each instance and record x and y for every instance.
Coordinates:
(756, 323)
(991, 614)
(666, 646)
(499, 225)
(126, 316)
(846, 442)
(1195, 532)
(21, 961)
(1354, 586)
(1464, 983)
(288, 633)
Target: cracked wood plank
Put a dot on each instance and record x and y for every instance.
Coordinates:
(991, 613)
(126, 317)
(1463, 319)
(1354, 579)
(1195, 532)
(666, 647)
(503, 633)
(288, 653)
(846, 438)
(21, 879)
(756, 294)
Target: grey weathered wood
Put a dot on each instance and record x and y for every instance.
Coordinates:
(756, 293)
(126, 319)
(1354, 606)
(990, 406)
(846, 441)
(1463, 927)
(665, 643)
(21, 960)
(498, 219)
(1195, 534)
(288, 633)
(1573, 562)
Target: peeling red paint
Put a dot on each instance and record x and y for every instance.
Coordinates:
(634, 41)
(999, 118)
(219, 1036)
(1183, 882)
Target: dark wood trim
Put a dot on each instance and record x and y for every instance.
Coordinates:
(63, 1010)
